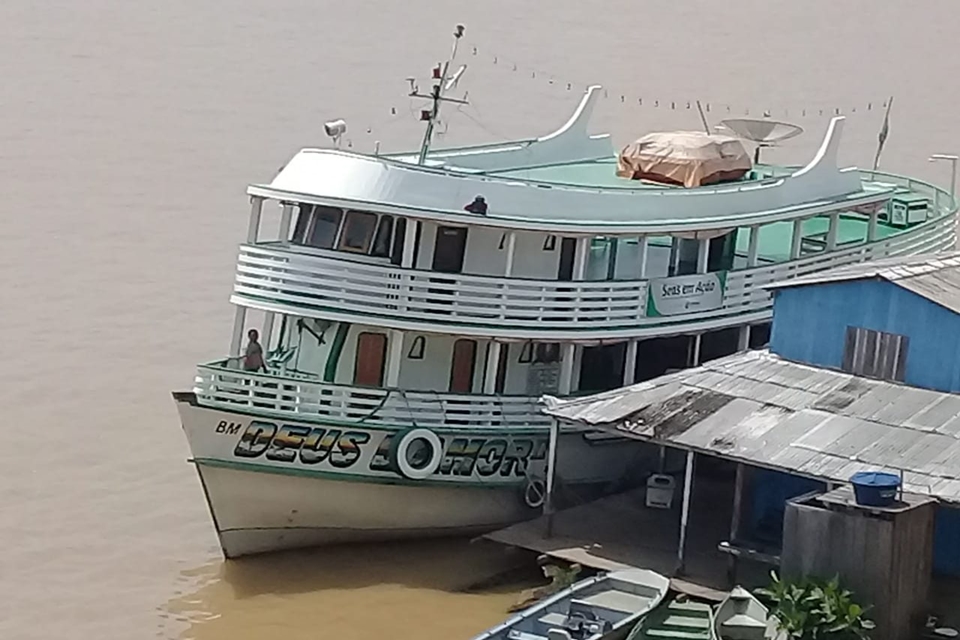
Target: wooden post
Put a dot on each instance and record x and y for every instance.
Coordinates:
(548, 504)
(735, 521)
(685, 513)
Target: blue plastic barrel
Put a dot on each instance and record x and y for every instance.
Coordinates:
(874, 488)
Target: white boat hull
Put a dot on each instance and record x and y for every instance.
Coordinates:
(260, 504)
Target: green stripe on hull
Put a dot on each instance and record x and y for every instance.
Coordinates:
(352, 477)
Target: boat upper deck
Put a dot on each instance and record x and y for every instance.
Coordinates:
(566, 182)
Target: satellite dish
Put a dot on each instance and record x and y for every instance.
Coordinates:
(764, 132)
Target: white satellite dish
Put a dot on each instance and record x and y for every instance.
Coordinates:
(764, 132)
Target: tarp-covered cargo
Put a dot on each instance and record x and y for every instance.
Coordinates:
(687, 158)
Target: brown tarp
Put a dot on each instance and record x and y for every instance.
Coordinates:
(687, 158)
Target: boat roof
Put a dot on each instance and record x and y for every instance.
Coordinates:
(566, 181)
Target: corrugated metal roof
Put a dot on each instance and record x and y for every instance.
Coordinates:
(760, 409)
(936, 277)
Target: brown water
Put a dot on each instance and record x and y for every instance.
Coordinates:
(128, 132)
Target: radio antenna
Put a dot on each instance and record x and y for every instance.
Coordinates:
(443, 82)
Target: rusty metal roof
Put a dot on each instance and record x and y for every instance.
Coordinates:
(760, 409)
(933, 276)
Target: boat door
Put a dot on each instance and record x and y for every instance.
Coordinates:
(448, 252)
(568, 251)
(371, 359)
(449, 249)
(463, 365)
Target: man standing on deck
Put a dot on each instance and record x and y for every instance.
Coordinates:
(253, 360)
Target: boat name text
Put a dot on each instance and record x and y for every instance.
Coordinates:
(486, 457)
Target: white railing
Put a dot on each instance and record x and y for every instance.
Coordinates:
(288, 276)
(218, 385)
(296, 280)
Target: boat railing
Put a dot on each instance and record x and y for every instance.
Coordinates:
(281, 278)
(300, 396)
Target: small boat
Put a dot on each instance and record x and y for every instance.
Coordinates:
(742, 617)
(602, 607)
(677, 619)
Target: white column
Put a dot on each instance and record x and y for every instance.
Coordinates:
(795, 239)
(490, 373)
(239, 319)
(394, 359)
(685, 512)
(580, 258)
(507, 271)
(236, 342)
(551, 474)
(406, 260)
(268, 320)
(703, 255)
(630, 363)
(743, 340)
(754, 246)
(285, 217)
(409, 242)
(253, 227)
(642, 253)
(832, 231)
(568, 351)
(511, 248)
(872, 226)
(695, 351)
(566, 369)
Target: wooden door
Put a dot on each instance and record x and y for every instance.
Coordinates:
(463, 365)
(371, 358)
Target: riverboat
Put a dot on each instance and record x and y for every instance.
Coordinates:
(413, 308)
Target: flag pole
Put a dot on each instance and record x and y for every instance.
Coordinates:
(884, 132)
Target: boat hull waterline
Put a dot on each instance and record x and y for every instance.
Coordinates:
(272, 483)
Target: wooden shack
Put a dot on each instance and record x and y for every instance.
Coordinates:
(884, 555)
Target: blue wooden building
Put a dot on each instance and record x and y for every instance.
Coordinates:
(896, 319)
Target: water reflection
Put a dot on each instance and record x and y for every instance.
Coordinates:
(396, 591)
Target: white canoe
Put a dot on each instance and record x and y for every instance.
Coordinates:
(742, 617)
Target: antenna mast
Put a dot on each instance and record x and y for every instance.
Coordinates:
(444, 82)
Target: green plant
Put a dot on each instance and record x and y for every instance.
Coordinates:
(812, 609)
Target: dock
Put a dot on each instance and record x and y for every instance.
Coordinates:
(619, 532)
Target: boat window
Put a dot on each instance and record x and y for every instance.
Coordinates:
(326, 222)
(547, 352)
(381, 242)
(303, 221)
(358, 231)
